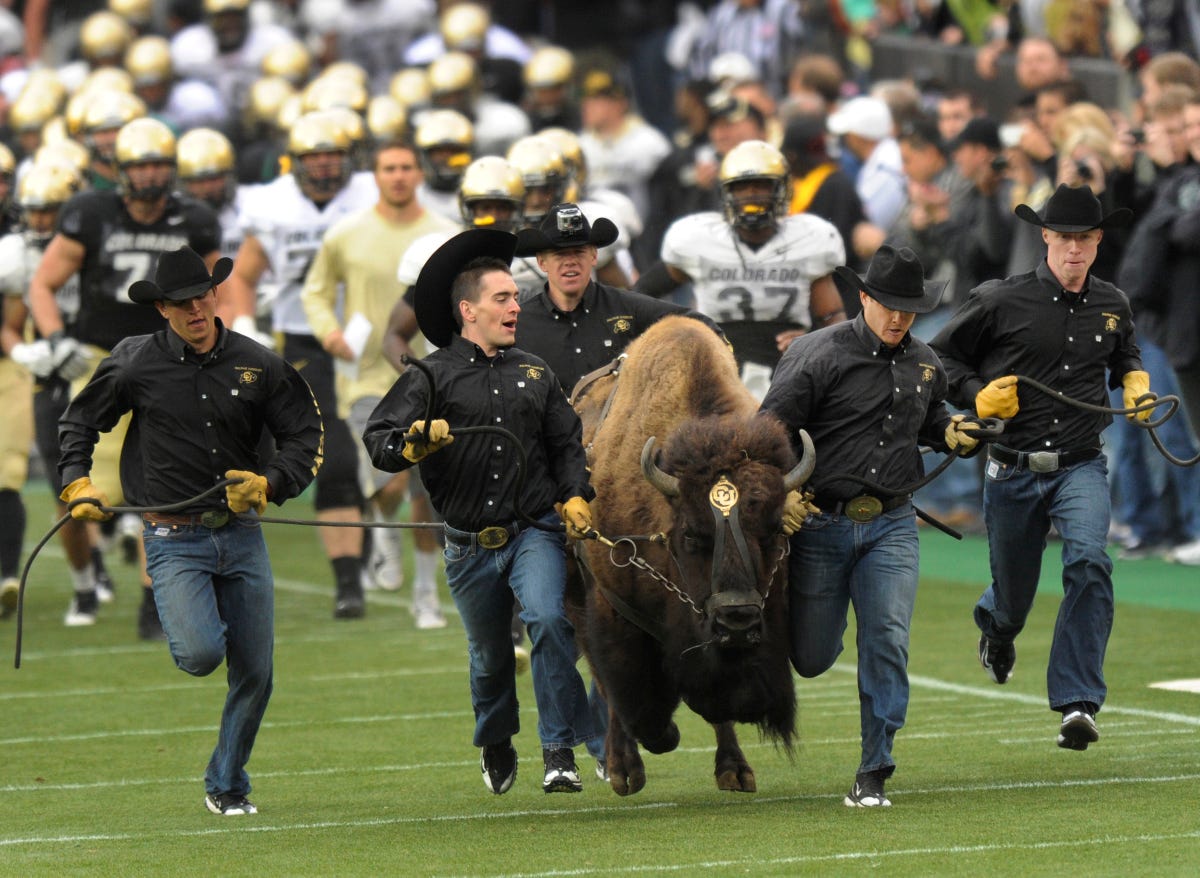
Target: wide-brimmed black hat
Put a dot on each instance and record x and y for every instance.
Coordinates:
(1073, 209)
(181, 274)
(563, 226)
(895, 279)
(431, 292)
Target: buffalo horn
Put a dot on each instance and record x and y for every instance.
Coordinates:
(801, 471)
(667, 484)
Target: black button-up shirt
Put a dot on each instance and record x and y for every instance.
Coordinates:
(472, 481)
(866, 406)
(194, 417)
(602, 325)
(1029, 325)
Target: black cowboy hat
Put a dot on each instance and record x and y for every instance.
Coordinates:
(431, 292)
(180, 275)
(1073, 209)
(895, 279)
(563, 226)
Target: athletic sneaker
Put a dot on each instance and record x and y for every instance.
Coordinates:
(1078, 728)
(106, 590)
(867, 792)
(229, 804)
(82, 611)
(349, 603)
(997, 658)
(10, 590)
(428, 614)
(498, 762)
(385, 562)
(1186, 553)
(602, 770)
(561, 774)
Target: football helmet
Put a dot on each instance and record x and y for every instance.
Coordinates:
(491, 179)
(106, 112)
(549, 67)
(106, 79)
(754, 160)
(464, 26)
(410, 87)
(54, 130)
(229, 21)
(32, 109)
(266, 97)
(347, 70)
(140, 142)
(66, 153)
(327, 92)
(204, 155)
(386, 119)
(320, 133)
(149, 62)
(453, 80)
(43, 189)
(103, 38)
(543, 172)
(356, 129)
(290, 60)
(8, 166)
(445, 141)
(568, 144)
(139, 13)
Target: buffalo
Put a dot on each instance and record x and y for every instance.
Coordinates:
(690, 603)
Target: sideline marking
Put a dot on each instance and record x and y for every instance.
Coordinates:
(1178, 685)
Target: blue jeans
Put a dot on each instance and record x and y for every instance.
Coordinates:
(216, 599)
(482, 583)
(836, 561)
(1019, 506)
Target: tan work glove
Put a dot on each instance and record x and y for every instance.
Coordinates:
(249, 493)
(1137, 384)
(577, 516)
(998, 399)
(415, 446)
(797, 507)
(956, 438)
(80, 489)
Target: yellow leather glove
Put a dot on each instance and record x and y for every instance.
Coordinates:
(577, 516)
(998, 399)
(415, 446)
(956, 439)
(80, 489)
(797, 507)
(249, 493)
(1137, 384)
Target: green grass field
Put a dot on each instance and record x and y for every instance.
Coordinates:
(364, 765)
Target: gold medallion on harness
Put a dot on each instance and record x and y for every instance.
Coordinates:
(723, 496)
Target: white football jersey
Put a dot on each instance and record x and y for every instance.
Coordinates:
(626, 162)
(734, 283)
(444, 204)
(18, 261)
(290, 228)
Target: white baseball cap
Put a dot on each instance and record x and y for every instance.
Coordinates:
(732, 68)
(865, 116)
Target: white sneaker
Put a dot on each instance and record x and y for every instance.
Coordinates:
(386, 561)
(1186, 553)
(10, 590)
(428, 615)
(82, 610)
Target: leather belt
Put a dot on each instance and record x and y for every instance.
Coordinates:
(862, 508)
(212, 519)
(1041, 461)
(495, 537)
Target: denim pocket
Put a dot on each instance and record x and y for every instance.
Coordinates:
(817, 522)
(995, 471)
(455, 552)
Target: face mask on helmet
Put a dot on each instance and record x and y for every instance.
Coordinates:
(320, 152)
(229, 21)
(492, 195)
(754, 185)
(543, 172)
(445, 142)
(145, 155)
(206, 166)
(44, 189)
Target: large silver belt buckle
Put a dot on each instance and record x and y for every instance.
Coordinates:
(492, 537)
(863, 508)
(1043, 461)
(215, 518)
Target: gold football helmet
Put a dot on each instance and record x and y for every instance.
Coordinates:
(453, 79)
(544, 173)
(290, 60)
(212, 7)
(103, 38)
(149, 62)
(106, 79)
(464, 26)
(206, 166)
(549, 67)
(445, 141)
(105, 113)
(320, 133)
(410, 87)
(141, 142)
(754, 160)
(492, 181)
(347, 70)
(55, 130)
(356, 129)
(327, 92)
(229, 21)
(42, 191)
(139, 13)
(568, 144)
(386, 119)
(66, 153)
(265, 99)
(32, 109)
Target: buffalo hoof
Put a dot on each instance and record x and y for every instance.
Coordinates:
(666, 742)
(737, 779)
(628, 784)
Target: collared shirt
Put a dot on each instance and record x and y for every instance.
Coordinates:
(602, 325)
(1029, 325)
(473, 480)
(865, 405)
(194, 417)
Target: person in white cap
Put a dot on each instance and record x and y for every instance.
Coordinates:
(864, 125)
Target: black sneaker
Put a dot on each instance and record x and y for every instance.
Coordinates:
(229, 804)
(997, 658)
(82, 611)
(867, 791)
(349, 603)
(561, 774)
(149, 626)
(1078, 728)
(498, 762)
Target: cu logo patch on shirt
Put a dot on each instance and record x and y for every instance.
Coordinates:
(620, 324)
(247, 374)
(533, 373)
